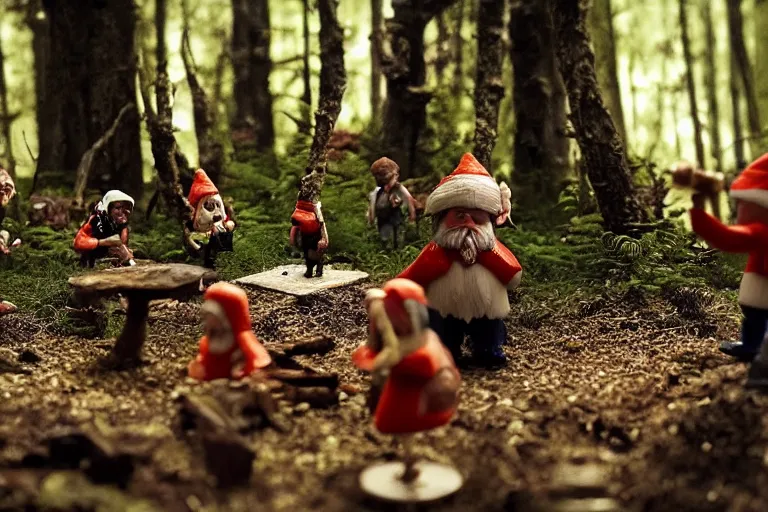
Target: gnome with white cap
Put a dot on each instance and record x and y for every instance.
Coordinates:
(465, 270)
(105, 233)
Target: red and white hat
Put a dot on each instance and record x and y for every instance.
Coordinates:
(202, 186)
(469, 186)
(752, 183)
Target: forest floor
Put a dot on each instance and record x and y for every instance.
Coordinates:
(623, 386)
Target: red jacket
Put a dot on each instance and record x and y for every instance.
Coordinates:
(400, 409)
(434, 262)
(747, 238)
(86, 242)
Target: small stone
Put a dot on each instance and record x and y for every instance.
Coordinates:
(712, 496)
(673, 429)
(571, 399)
(301, 408)
(671, 406)
(601, 373)
(706, 447)
(343, 396)
(505, 402)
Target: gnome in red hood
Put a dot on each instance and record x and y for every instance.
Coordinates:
(229, 349)
(415, 383)
(211, 218)
(465, 270)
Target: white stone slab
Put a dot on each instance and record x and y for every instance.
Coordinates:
(290, 279)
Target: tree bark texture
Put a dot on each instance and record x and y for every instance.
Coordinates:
(90, 76)
(41, 47)
(252, 124)
(760, 16)
(443, 57)
(8, 162)
(739, 49)
(210, 150)
(711, 85)
(377, 36)
(738, 136)
(333, 82)
(691, 85)
(160, 127)
(541, 148)
(601, 147)
(306, 96)
(604, 39)
(457, 49)
(405, 110)
(489, 84)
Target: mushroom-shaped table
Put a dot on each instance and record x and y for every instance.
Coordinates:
(139, 285)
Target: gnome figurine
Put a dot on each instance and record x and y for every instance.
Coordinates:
(387, 199)
(212, 219)
(308, 231)
(415, 388)
(105, 233)
(465, 270)
(229, 349)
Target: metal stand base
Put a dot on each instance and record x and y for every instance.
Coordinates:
(435, 481)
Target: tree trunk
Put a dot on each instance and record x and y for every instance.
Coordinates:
(376, 53)
(333, 82)
(604, 39)
(9, 163)
(738, 136)
(41, 46)
(489, 85)
(760, 15)
(443, 47)
(736, 31)
(252, 125)
(90, 76)
(457, 49)
(601, 147)
(691, 86)
(541, 148)
(405, 110)
(675, 123)
(306, 96)
(210, 150)
(711, 85)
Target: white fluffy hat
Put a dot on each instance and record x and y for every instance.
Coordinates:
(111, 197)
(469, 186)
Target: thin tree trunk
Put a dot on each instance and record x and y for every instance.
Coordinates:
(601, 146)
(210, 150)
(760, 16)
(443, 47)
(376, 54)
(738, 135)
(711, 85)
(41, 45)
(90, 76)
(633, 93)
(457, 52)
(405, 110)
(333, 82)
(9, 163)
(540, 145)
(675, 123)
(306, 96)
(252, 124)
(736, 31)
(691, 86)
(604, 39)
(489, 85)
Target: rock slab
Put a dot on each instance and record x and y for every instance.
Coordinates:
(290, 279)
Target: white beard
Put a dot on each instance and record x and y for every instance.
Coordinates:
(220, 335)
(468, 241)
(203, 222)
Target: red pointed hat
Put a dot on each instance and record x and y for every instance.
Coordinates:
(202, 186)
(469, 186)
(752, 183)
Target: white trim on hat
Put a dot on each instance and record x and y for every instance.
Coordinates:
(753, 195)
(466, 191)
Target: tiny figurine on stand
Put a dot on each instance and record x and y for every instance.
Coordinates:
(229, 349)
(465, 270)
(750, 235)
(105, 233)
(308, 231)
(415, 388)
(386, 200)
(211, 218)
(707, 183)
(5, 247)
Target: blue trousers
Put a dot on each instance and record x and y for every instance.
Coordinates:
(753, 327)
(486, 335)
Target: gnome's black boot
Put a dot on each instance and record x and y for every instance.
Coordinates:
(310, 268)
(319, 272)
(757, 377)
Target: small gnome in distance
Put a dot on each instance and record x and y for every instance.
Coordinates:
(229, 349)
(308, 231)
(465, 270)
(749, 235)
(415, 387)
(211, 218)
(105, 233)
(387, 199)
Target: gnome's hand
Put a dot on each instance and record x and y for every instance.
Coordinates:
(196, 370)
(699, 201)
(112, 241)
(322, 245)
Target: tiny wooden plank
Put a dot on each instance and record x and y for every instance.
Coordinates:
(290, 279)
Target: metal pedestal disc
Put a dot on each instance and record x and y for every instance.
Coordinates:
(435, 481)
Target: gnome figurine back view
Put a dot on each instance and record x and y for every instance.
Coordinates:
(309, 232)
(415, 387)
(212, 219)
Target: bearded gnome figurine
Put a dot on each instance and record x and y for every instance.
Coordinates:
(386, 200)
(211, 218)
(465, 270)
(7, 191)
(105, 233)
(308, 231)
(229, 349)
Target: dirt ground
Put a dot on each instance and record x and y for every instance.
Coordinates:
(624, 387)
